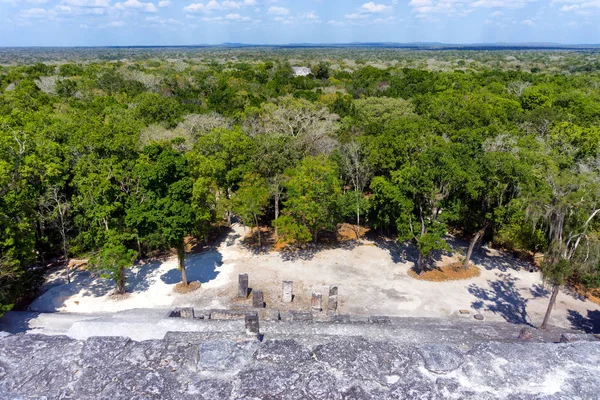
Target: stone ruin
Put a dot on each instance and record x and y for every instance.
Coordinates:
(379, 358)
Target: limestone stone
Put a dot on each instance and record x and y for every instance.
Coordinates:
(252, 327)
(258, 300)
(525, 334)
(332, 304)
(333, 290)
(317, 302)
(243, 286)
(287, 294)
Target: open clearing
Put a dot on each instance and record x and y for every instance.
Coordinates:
(372, 277)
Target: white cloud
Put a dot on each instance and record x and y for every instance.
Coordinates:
(278, 11)
(88, 3)
(136, 5)
(164, 3)
(194, 8)
(237, 17)
(374, 8)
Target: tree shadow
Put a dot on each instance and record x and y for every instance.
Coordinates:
(588, 324)
(538, 291)
(17, 322)
(199, 267)
(140, 277)
(482, 256)
(83, 283)
(503, 298)
(400, 252)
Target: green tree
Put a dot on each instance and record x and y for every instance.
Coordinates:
(568, 212)
(161, 210)
(113, 260)
(313, 189)
(251, 200)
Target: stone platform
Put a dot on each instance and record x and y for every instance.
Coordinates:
(346, 357)
(190, 366)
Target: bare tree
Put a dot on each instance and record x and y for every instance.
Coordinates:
(566, 216)
(359, 173)
(56, 209)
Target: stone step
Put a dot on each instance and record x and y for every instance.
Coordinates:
(146, 324)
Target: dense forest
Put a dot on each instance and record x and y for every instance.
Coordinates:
(114, 160)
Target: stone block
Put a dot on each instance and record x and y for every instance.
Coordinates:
(332, 304)
(298, 316)
(230, 314)
(525, 334)
(340, 319)
(274, 315)
(375, 319)
(577, 337)
(464, 312)
(258, 300)
(185, 312)
(243, 286)
(317, 302)
(252, 327)
(333, 290)
(287, 294)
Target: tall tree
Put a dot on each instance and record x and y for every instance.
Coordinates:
(251, 199)
(568, 211)
(359, 172)
(313, 189)
(161, 209)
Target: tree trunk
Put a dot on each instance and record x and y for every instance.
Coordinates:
(121, 282)
(473, 243)
(555, 290)
(67, 261)
(257, 230)
(357, 221)
(420, 263)
(277, 195)
(181, 260)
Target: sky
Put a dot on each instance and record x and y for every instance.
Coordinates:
(189, 22)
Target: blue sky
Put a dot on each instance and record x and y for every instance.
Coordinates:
(181, 22)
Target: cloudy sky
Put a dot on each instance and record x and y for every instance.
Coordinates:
(181, 22)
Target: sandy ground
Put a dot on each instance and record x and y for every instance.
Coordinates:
(372, 279)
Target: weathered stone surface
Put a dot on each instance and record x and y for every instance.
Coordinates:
(478, 317)
(186, 312)
(342, 319)
(230, 314)
(375, 319)
(283, 352)
(243, 286)
(258, 300)
(332, 304)
(252, 327)
(274, 314)
(225, 355)
(309, 367)
(333, 290)
(317, 302)
(287, 291)
(525, 334)
(299, 316)
(441, 359)
(577, 337)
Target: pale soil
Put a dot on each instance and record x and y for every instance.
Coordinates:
(372, 277)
